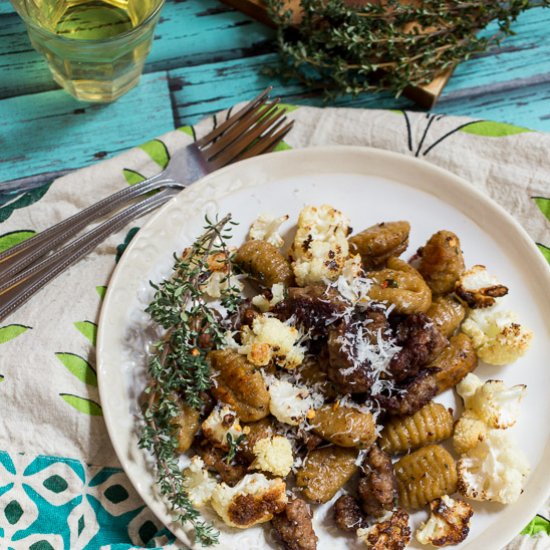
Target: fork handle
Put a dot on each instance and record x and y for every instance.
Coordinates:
(17, 291)
(20, 256)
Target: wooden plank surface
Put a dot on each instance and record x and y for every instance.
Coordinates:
(51, 131)
(206, 57)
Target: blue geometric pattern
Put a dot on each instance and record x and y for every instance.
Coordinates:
(55, 503)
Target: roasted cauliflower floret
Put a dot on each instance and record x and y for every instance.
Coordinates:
(270, 339)
(498, 337)
(449, 522)
(219, 279)
(199, 483)
(320, 246)
(277, 293)
(266, 228)
(289, 404)
(255, 499)
(495, 469)
(468, 432)
(492, 402)
(273, 455)
(391, 533)
(219, 423)
(478, 288)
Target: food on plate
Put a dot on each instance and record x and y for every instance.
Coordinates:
(441, 262)
(432, 423)
(448, 524)
(495, 469)
(239, 385)
(492, 401)
(289, 378)
(447, 314)
(498, 336)
(377, 487)
(347, 514)
(454, 362)
(264, 263)
(390, 533)
(402, 286)
(344, 426)
(325, 471)
(255, 499)
(378, 243)
(273, 455)
(425, 474)
(293, 526)
(320, 247)
(478, 288)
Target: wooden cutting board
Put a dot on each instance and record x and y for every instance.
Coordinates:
(425, 96)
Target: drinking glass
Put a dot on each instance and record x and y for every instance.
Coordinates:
(95, 49)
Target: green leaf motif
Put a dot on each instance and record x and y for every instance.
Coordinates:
(79, 367)
(289, 107)
(186, 130)
(9, 240)
(545, 251)
(282, 146)
(489, 128)
(122, 247)
(9, 332)
(1, 377)
(537, 525)
(24, 200)
(83, 405)
(101, 290)
(157, 151)
(88, 329)
(132, 177)
(544, 206)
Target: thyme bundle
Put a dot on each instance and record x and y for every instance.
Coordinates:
(346, 47)
(179, 369)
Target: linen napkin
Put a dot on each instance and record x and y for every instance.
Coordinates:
(61, 486)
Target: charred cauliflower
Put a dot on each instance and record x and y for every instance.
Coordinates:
(478, 288)
(271, 339)
(219, 423)
(497, 335)
(391, 533)
(255, 499)
(492, 402)
(449, 522)
(320, 246)
(468, 432)
(495, 469)
(273, 455)
(199, 483)
(266, 228)
(288, 403)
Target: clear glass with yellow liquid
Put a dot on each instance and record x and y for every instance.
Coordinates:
(96, 49)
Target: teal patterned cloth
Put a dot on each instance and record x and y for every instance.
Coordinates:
(61, 485)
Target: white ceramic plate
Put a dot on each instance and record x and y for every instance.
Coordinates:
(369, 186)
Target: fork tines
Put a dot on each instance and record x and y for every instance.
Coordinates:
(255, 129)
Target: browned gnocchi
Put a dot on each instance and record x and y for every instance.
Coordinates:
(318, 380)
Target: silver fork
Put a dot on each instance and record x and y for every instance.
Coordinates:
(255, 129)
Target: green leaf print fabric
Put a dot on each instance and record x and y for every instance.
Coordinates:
(61, 485)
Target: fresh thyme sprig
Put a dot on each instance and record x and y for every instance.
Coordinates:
(233, 446)
(179, 369)
(343, 47)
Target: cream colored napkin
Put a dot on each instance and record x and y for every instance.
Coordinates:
(60, 481)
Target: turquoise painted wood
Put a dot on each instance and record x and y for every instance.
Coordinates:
(206, 57)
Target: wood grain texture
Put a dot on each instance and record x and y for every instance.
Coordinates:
(207, 57)
(52, 131)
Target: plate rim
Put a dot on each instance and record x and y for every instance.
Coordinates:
(506, 533)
